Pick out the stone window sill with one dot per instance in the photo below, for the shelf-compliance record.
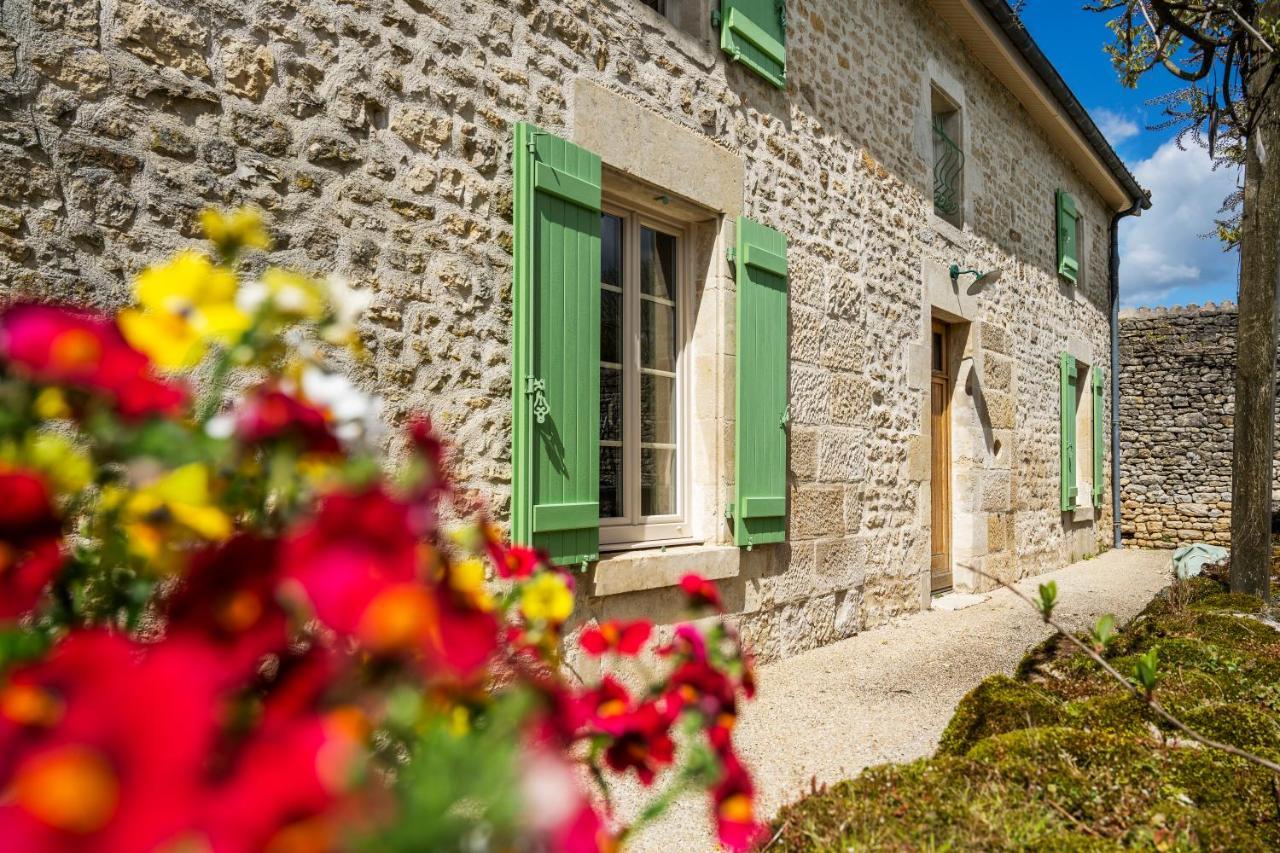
(1082, 513)
(944, 229)
(633, 571)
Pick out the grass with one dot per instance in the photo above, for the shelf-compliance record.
(1061, 758)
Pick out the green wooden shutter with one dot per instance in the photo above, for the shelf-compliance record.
(762, 413)
(556, 361)
(754, 32)
(1067, 379)
(1099, 443)
(1068, 237)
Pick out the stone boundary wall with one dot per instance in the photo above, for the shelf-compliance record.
(1177, 412)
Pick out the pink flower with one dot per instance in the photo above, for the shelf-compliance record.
(623, 638)
(105, 744)
(83, 349)
(733, 799)
(701, 592)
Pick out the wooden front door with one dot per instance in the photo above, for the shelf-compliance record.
(940, 474)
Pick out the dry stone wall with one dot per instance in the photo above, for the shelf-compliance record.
(376, 135)
(1177, 414)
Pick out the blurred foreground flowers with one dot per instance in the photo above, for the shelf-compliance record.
(223, 628)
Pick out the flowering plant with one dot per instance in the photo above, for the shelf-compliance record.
(224, 627)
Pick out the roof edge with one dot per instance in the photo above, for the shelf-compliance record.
(1013, 29)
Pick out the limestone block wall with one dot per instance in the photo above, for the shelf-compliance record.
(1177, 413)
(376, 135)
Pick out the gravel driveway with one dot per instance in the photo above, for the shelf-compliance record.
(887, 694)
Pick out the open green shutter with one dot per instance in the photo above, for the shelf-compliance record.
(556, 362)
(754, 32)
(1068, 237)
(1067, 377)
(1099, 443)
(762, 413)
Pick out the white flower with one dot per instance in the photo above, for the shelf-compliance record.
(220, 426)
(355, 415)
(347, 304)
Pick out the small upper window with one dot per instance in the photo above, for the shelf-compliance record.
(948, 159)
(687, 15)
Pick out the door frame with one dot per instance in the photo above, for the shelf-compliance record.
(941, 377)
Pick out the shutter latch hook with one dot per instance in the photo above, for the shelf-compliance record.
(541, 408)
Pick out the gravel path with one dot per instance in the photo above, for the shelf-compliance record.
(887, 694)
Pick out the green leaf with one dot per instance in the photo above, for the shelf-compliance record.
(1104, 631)
(1144, 671)
(1048, 598)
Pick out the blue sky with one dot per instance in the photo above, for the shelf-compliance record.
(1164, 259)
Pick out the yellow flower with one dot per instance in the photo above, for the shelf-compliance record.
(64, 466)
(230, 233)
(184, 305)
(182, 495)
(68, 467)
(467, 579)
(178, 507)
(547, 598)
(50, 405)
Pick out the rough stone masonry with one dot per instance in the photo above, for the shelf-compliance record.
(376, 135)
(1177, 407)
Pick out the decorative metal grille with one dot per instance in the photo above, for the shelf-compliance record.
(948, 166)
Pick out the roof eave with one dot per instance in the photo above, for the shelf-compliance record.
(995, 35)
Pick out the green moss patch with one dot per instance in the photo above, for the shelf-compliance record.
(1062, 758)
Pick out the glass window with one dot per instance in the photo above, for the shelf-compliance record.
(640, 380)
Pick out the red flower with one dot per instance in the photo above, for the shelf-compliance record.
(702, 687)
(640, 736)
(624, 638)
(643, 742)
(463, 640)
(282, 777)
(357, 562)
(701, 592)
(427, 442)
(228, 599)
(272, 415)
(30, 545)
(105, 744)
(83, 349)
(734, 803)
(513, 562)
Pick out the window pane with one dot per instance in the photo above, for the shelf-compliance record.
(611, 326)
(657, 336)
(610, 404)
(657, 264)
(657, 481)
(657, 409)
(610, 249)
(610, 482)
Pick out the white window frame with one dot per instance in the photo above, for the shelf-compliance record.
(633, 530)
(1083, 415)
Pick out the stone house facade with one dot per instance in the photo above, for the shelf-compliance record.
(1177, 403)
(876, 142)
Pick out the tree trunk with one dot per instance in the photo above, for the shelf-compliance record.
(1252, 463)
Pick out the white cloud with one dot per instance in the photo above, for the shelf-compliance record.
(1164, 256)
(1116, 127)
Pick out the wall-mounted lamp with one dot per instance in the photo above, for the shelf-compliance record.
(982, 278)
